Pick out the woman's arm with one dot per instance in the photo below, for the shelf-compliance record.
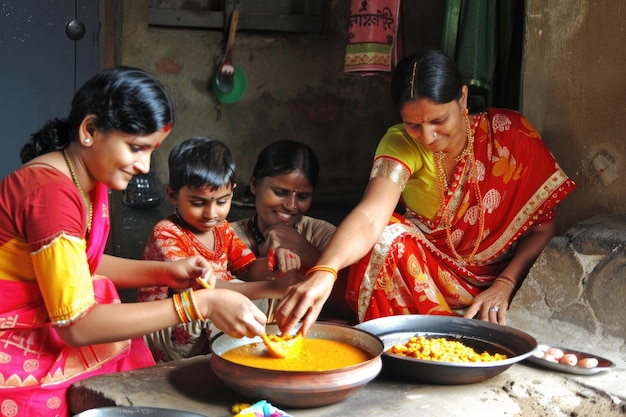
(288, 244)
(132, 273)
(354, 238)
(230, 311)
(256, 290)
(500, 293)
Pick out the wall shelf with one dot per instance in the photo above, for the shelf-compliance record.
(304, 16)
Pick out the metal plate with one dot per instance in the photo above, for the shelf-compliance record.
(477, 334)
(136, 411)
(603, 364)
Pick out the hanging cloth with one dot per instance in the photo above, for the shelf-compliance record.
(372, 37)
(469, 36)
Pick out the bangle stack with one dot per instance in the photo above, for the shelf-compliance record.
(186, 307)
(508, 281)
(322, 268)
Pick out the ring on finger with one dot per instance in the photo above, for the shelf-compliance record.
(495, 309)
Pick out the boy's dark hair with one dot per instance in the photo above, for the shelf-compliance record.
(201, 162)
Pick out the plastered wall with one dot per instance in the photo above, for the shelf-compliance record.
(573, 91)
(574, 86)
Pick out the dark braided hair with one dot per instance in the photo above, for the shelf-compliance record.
(123, 99)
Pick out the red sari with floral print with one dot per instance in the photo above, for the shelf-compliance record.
(419, 266)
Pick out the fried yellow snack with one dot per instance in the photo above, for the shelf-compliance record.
(442, 350)
(283, 346)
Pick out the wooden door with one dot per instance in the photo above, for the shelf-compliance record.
(41, 67)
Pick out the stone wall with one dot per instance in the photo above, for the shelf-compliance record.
(580, 279)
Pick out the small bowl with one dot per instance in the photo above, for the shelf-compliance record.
(477, 334)
(299, 389)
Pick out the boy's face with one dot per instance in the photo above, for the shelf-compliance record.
(202, 208)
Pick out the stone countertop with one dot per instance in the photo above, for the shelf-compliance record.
(522, 390)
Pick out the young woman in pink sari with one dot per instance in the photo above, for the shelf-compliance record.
(479, 193)
(61, 319)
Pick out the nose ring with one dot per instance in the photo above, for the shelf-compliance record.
(434, 134)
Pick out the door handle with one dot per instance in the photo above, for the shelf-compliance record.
(75, 30)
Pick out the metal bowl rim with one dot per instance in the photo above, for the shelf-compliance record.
(493, 326)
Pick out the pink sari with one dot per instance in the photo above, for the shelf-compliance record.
(37, 367)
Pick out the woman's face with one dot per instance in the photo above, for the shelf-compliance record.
(284, 198)
(439, 127)
(115, 157)
(202, 208)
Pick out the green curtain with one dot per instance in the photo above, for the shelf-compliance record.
(469, 37)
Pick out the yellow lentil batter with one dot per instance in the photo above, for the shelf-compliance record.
(316, 355)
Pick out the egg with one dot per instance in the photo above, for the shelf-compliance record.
(556, 352)
(550, 358)
(588, 363)
(569, 359)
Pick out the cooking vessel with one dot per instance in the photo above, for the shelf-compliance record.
(477, 334)
(136, 411)
(299, 389)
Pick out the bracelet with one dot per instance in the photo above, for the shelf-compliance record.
(186, 306)
(509, 281)
(194, 305)
(180, 310)
(322, 268)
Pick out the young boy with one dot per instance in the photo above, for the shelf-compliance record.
(201, 184)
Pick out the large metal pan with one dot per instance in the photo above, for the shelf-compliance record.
(477, 334)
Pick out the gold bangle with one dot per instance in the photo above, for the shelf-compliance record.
(178, 306)
(507, 281)
(194, 306)
(322, 268)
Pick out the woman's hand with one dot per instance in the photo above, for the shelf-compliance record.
(231, 312)
(291, 248)
(491, 304)
(183, 273)
(304, 300)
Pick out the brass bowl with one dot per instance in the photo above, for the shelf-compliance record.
(477, 334)
(299, 389)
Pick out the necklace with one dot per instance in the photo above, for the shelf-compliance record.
(442, 186)
(88, 205)
(256, 233)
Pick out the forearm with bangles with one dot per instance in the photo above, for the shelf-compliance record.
(186, 306)
(508, 281)
(322, 268)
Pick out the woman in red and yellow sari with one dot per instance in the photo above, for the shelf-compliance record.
(61, 319)
(479, 193)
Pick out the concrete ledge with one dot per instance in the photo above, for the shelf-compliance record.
(573, 297)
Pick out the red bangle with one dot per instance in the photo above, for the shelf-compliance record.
(321, 268)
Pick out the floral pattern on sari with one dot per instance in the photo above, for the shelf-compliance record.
(412, 268)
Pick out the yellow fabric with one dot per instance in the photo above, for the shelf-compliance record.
(15, 261)
(420, 194)
(64, 278)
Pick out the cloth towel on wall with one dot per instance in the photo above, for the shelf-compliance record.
(372, 37)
